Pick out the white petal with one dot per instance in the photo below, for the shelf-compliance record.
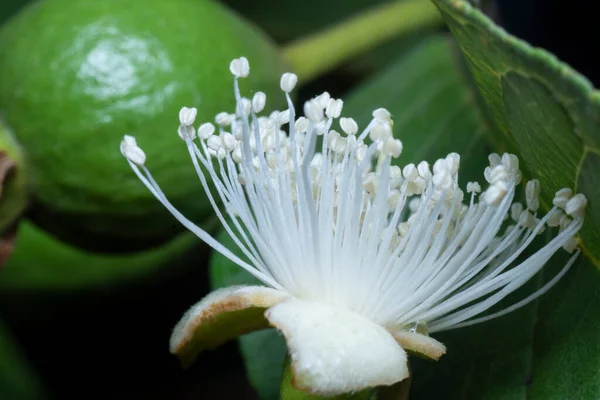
(336, 351)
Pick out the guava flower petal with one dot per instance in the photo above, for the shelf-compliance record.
(222, 315)
(335, 351)
(419, 344)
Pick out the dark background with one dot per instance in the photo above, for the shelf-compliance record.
(112, 342)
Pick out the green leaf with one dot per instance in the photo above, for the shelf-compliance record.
(433, 116)
(10, 7)
(264, 353)
(540, 108)
(548, 350)
(566, 351)
(17, 380)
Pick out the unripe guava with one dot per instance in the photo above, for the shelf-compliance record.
(77, 75)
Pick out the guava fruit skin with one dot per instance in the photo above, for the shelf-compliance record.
(77, 75)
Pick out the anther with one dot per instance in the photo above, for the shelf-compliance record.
(576, 205)
(187, 116)
(206, 130)
(258, 102)
(239, 67)
(288, 82)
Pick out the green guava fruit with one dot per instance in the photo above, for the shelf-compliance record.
(77, 75)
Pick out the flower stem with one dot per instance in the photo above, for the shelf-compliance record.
(322, 51)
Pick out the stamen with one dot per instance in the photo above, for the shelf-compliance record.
(576, 205)
(288, 82)
(532, 194)
(240, 67)
(187, 116)
(344, 226)
(132, 152)
(473, 187)
(258, 102)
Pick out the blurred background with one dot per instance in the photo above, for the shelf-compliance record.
(110, 340)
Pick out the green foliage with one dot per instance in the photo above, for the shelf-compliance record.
(264, 353)
(9, 7)
(539, 107)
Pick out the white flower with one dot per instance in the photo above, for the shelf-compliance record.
(361, 259)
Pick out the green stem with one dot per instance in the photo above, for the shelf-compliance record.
(13, 185)
(320, 52)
